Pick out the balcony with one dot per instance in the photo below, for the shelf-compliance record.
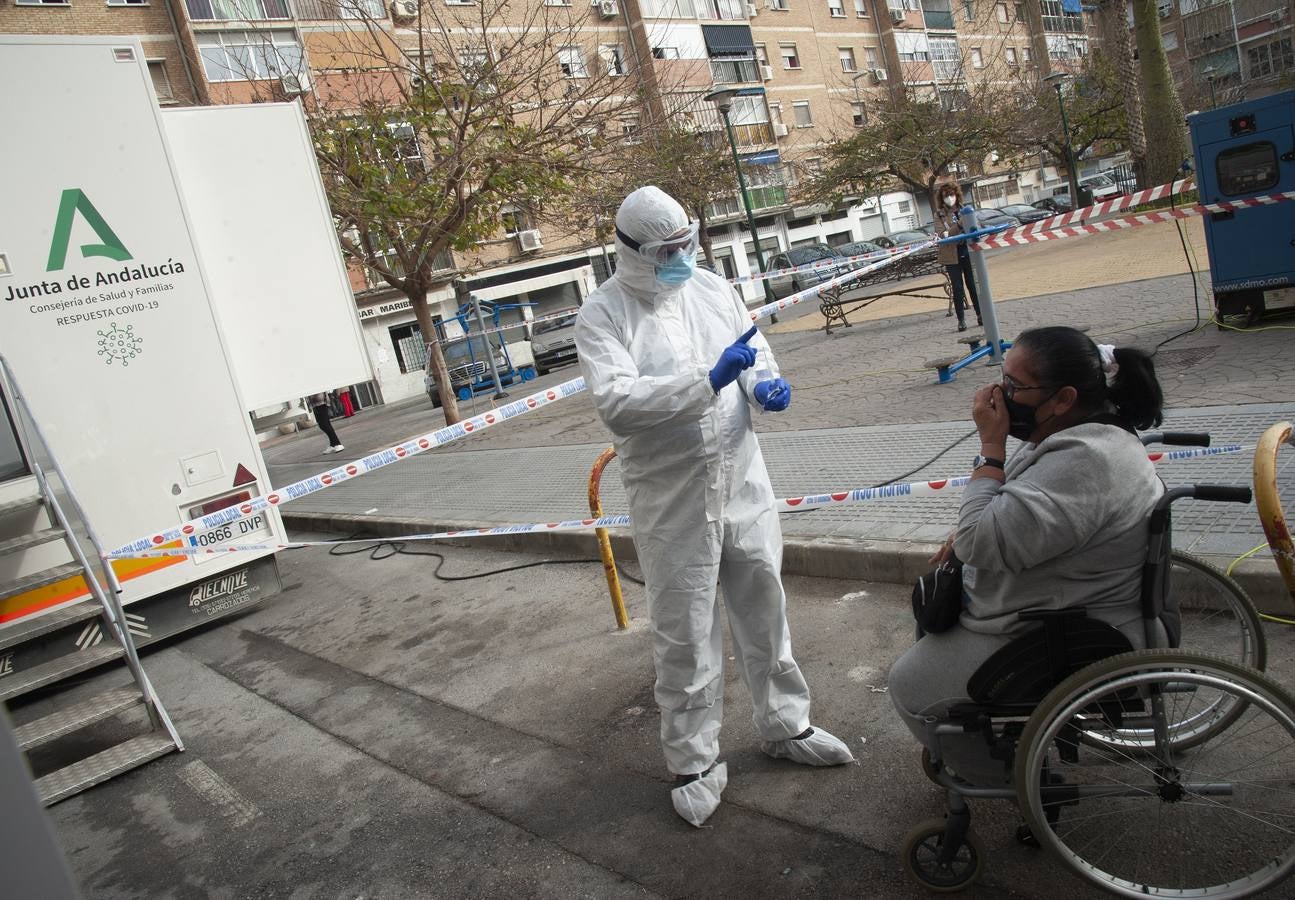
(332, 10)
(724, 10)
(938, 14)
(767, 197)
(734, 71)
(753, 134)
(237, 10)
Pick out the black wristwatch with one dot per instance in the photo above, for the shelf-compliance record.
(985, 461)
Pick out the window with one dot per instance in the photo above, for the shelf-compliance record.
(42, 3)
(411, 349)
(733, 71)
(858, 114)
(968, 11)
(768, 246)
(870, 56)
(977, 58)
(761, 55)
(557, 2)
(912, 46)
(904, 207)
(789, 58)
(778, 4)
(800, 109)
(945, 63)
(245, 56)
(1010, 54)
(665, 52)
(161, 81)
(630, 130)
(513, 221)
(836, 8)
(1169, 40)
(1248, 169)
(861, 8)
(611, 54)
(1027, 55)
(572, 62)
(1020, 12)
(846, 55)
(1057, 19)
(128, 2)
(1000, 13)
(1270, 58)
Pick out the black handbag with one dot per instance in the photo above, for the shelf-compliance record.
(937, 597)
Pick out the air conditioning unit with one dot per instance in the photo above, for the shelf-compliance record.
(780, 129)
(1165, 8)
(880, 74)
(291, 84)
(608, 9)
(404, 9)
(752, 11)
(766, 73)
(529, 240)
(897, 16)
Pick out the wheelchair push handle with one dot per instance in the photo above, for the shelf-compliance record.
(1177, 438)
(1222, 493)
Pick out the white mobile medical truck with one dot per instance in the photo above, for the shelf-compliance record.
(161, 274)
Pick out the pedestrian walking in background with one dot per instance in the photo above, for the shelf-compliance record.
(323, 418)
(955, 257)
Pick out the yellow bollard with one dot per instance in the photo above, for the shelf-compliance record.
(604, 542)
(1269, 503)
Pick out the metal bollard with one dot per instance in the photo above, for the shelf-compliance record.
(604, 542)
(967, 217)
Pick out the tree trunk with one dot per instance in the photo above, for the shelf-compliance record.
(1116, 32)
(704, 237)
(440, 372)
(1166, 136)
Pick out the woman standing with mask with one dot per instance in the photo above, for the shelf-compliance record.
(955, 257)
(1062, 524)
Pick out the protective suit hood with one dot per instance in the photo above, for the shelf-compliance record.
(647, 214)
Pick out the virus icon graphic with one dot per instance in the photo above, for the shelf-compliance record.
(119, 344)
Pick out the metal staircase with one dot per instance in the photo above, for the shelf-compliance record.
(29, 527)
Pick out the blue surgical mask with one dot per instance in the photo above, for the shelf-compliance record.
(676, 270)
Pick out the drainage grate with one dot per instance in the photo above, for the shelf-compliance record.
(1181, 359)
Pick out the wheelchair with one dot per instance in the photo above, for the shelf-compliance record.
(1157, 772)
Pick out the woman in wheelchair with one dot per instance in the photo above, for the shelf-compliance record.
(1061, 525)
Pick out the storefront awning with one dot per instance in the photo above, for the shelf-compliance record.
(728, 40)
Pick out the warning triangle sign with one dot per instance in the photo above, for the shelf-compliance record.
(242, 476)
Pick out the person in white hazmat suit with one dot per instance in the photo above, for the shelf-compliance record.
(669, 355)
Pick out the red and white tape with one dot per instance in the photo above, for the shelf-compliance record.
(812, 292)
(1018, 237)
(833, 263)
(928, 488)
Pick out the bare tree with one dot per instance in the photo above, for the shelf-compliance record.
(1162, 114)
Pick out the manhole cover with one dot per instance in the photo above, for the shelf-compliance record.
(1181, 359)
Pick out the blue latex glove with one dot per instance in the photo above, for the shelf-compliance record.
(773, 394)
(736, 357)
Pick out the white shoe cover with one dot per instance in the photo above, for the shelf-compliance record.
(696, 800)
(819, 749)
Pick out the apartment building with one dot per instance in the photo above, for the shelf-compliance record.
(1228, 51)
(807, 72)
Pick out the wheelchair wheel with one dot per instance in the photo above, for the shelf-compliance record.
(920, 855)
(1209, 820)
(1218, 619)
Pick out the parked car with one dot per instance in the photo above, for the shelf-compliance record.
(1026, 214)
(465, 358)
(860, 248)
(1101, 186)
(554, 342)
(786, 285)
(902, 239)
(989, 217)
(1055, 205)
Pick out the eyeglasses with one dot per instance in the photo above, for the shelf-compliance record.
(660, 252)
(1011, 386)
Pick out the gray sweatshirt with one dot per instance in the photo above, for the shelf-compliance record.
(1067, 528)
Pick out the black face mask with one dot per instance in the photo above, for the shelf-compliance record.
(1020, 417)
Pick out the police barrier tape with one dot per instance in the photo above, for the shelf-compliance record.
(788, 504)
(1101, 208)
(834, 262)
(189, 529)
(1011, 239)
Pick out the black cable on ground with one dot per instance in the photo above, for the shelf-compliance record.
(929, 461)
(1196, 294)
(385, 549)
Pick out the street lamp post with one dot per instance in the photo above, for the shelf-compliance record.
(1056, 79)
(1210, 72)
(723, 100)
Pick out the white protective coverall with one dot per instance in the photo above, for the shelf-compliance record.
(699, 494)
